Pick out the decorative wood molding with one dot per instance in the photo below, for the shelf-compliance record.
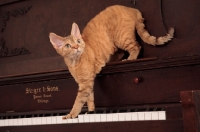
(111, 68)
(14, 13)
(5, 52)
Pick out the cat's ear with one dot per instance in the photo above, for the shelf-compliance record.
(56, 40)
(75, 31)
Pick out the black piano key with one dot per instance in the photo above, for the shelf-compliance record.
(90, 112)
(114, 111)
(29, 116)
(40, 115)
(108, 111)
(54, 114)
(46, 115)
(159, 109)
(151, 109)
(15, 117)
(141, 110)
(123, 111)
(132, 110)
(22, 116)
(100, 111)
(62, 114)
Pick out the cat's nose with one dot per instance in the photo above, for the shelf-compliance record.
(75, 47)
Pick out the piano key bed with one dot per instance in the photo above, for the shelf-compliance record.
(52, 117)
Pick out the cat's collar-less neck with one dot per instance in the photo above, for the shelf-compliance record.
(72, 62)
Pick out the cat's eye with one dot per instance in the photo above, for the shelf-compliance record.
(68, 46)
(78, 41)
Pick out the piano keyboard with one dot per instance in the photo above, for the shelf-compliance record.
(98, 116)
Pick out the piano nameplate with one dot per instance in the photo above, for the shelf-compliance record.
(42, 94)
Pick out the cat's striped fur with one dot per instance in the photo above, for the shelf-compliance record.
(86, 54)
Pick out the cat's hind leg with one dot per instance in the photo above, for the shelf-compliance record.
(125, 40)
(132, 46)
(134, 50)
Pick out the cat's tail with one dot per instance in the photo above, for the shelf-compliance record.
(152, 40)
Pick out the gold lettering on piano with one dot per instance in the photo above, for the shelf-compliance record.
(43, 101)
(33, 90)
(43, 94)
(47, 96)
(37, 97)
(50, 89)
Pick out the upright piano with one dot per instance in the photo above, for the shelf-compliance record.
(158, 92)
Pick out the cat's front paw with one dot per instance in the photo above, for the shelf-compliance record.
(70, 116)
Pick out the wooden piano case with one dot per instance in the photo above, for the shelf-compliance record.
(33, 77)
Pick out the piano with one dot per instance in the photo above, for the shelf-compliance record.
(158, 92)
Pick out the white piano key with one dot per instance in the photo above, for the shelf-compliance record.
(91, 117)
(115, 117)
(121, 116)
(25, 121)
(29, 121)
(10, 122)
(128, 116)
(34, 121)
(154, 115)
(162, 115)
(43, 120)
(109, 117)
(86, 118)
(69, 120)
(75, 120)
(39, 120)
(1, 122)
(20, 121)
(15, 122)
(48, 120)
(6, 122)
(103, 117)
(97, 117)
(147, 116)
(59, 119)
(53, 120)
(64, 121)
(134, 116)
(81, 118)
(140, 116)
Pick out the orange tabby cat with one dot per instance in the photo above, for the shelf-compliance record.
(86, 54)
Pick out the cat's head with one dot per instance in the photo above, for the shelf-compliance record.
(71, 46)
